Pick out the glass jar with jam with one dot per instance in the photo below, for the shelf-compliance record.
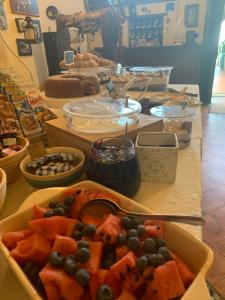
(8, 137)
(115, 165)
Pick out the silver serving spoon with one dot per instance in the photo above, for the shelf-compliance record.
(101, 207)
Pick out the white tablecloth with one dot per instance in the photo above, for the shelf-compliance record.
(182, 197)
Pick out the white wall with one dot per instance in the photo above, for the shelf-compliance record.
(63, 6)
(36, 64)
(10, 35)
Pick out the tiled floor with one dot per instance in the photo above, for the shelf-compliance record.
(213, 189)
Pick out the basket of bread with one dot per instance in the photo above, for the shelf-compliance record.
(88, 60)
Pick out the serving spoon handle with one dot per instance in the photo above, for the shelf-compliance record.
(100, 207)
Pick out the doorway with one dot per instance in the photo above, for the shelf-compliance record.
(219, 77)
(218, 93)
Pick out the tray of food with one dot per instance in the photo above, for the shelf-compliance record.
(88, 60)
(58, 255)
(176, 98)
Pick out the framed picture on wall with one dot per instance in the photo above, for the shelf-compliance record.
(20, 23)
(3, 22)
(191, 15)
(37, 26)
(25, 7)
(24, 49)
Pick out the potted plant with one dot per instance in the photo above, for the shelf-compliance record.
(221, 55)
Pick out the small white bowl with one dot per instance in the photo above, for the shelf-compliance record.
(61, 179)
(2, 187)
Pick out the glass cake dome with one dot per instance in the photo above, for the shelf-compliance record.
(102, 115)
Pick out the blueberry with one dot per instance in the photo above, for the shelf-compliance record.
(69, 200)
(160, 242)
(59, 211)
(82, 276)
(70, 266)
(52, 204)
(134, 223)
(132, 233)
(140, 230)
(71, 256)
(142, 263)
(79, 226)
(104, 292)
(56, 259)
(83, 255)
(82, 244)
(134, 244)
(165, 252)
(65, 207)
(121, 239)
(127, 223)
(88, 230)
(76, 235)
(48, 213)
(149, 245)
(139, 221)
(156, 259)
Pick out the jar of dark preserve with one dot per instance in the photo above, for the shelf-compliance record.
(115, 165)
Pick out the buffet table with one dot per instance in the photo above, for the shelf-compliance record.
(183, 197)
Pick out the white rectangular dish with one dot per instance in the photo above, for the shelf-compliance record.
(197, 254)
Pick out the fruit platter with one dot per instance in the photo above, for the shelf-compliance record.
(59, 254)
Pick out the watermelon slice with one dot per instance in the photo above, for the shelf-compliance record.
(87, 295)
(82, 195)
(155, 229)
(121, 252)
(93, 264)
(186, 273)
(122, 266)
(135, 283)
(58, 285)
(38, 212)
(104, 277)
(10, 239)
(35, 248)
(109, 229)
(125, 295)
(167, 283)
(94, 284)
(64, 245)
(49, 227)
(113, 282)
